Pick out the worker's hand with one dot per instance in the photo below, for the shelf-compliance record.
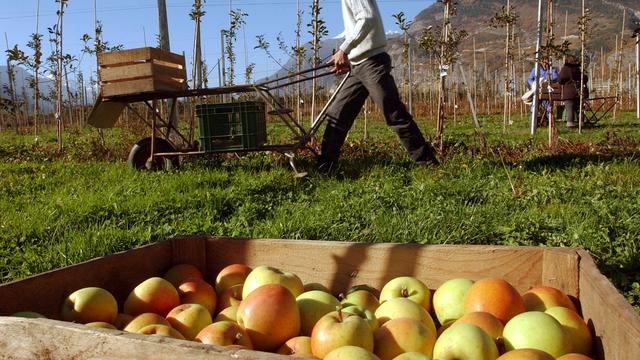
(340, 62)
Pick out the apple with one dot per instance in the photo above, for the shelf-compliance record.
(363, 298)
(29, 315)
(315, 286)
(270, 316)
(350, 352)
(228, 314)
(161, 330)
(495, 296)
(526, 354)
(541, 298)
(177, 274)
(189, 319)
(407, 287)
(224, 333)
(485, 321)
(403, 307)
(297, 346)
(231, 275)
(89, 304)
(122, 320)
(412, 355)
(337, 329)
(535, 330)
(574, 356)
(155, 295)
(371, 318)
(577, 331)
(448, 299)
(263, 275)
(365, 287)
(145, 319)
(198, 291)
(230, 297)
(101, 325)
(465, 341)
(402, 335)
(313, 305)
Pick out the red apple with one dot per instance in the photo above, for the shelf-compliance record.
(231, 275)
(495, 296)
(541, 298)
(161, 330)
(270, 316)
(198, 291)
(189, 319)
(297, 346)
(155, 295)
(402, 335)
(143, 320)
(224, 333)
(177, 274)
(337, 329)
(403, 307)
(89, 304)
(407, 287)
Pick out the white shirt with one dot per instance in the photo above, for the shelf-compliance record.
(363, 30)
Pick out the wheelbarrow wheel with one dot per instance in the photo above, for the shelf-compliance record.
(141, 152)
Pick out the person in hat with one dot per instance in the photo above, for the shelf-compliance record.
(547, 74)
(570, 78)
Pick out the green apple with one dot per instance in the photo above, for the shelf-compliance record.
(350, 352)
(402, 335)
(101, 325)
(465, 341)
(363, 298)
(89, 304)
(535, 330)
(29, 315)
(577, 330)
(526, 354)
(407, 287)
(448, 299)
(403, 307)
(189, 319)
(313, 305)
(263, 275)
(337, 329)
(365, 314)
(412, 355)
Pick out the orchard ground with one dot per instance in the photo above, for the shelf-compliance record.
(492, 188)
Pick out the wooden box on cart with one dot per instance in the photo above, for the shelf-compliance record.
(139, 71)
(338, 265)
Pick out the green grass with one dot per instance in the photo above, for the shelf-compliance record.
(60, 209)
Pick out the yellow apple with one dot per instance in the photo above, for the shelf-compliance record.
(313, 305)
(29, 315)
(198, 291)
(448, 299)
(229, 313)
(315, 286)
(465, 341)
(101, 325)
(161, 330)
(263, 275)
(574, 356)
(231, 275)
(230, 297)
(297, 346)
(371, 318)
(155, 295)
(407, 287)
(535, 330)
(403, 307)
(177, 274)
(224, 333)
(270, 316)
(145, 319)
(413, 356)
(402, 335)
(578, 333)
(189, 319)
(526, 354)
(89, 304)
(363, 298)
(350, 352)
(485, 321)
(337, 329)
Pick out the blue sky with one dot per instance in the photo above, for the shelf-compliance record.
(127, 21)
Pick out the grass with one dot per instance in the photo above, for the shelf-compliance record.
(507, 189)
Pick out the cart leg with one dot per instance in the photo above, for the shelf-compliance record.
(292, 163)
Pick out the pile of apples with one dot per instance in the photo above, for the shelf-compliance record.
(268, 309)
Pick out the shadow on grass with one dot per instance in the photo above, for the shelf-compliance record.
(571, 160)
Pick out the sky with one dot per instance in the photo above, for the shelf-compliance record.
(134, 23)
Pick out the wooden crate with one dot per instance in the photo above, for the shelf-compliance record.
(138, 71)
(336, 264)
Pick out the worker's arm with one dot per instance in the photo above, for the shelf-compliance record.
(363, 13)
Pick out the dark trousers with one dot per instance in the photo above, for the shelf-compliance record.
(571, 107)
(371, 78)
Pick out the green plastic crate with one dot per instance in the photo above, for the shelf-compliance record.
(232, 126)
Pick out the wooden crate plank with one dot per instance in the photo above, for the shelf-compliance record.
(28, 339)
(190, 252)
(142, 70)
(339, 265)
(615, 323)
(560, 269)
(167, 56)
(105, 114)
(125, 56)
(119, 273)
